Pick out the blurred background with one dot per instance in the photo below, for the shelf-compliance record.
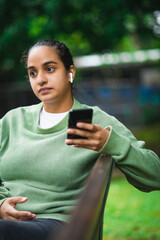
(116, 49)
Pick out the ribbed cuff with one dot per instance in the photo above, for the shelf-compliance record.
(116, 145)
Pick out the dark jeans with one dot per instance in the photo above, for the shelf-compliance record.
(36, 229)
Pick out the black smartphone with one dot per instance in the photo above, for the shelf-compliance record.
(79, 115)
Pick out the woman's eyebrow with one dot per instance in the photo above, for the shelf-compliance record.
(44, 64)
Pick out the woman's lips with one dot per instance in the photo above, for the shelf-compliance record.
(44, 90)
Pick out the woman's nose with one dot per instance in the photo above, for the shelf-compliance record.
(41, 78)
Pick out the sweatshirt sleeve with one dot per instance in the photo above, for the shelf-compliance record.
(140, 166)
(4, 192)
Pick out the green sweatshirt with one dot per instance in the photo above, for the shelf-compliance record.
(36, 163)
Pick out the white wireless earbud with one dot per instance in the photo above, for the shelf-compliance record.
(71, 77)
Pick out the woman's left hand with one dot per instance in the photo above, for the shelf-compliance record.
(96, 136)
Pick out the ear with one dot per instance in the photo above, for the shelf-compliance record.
(72, 73)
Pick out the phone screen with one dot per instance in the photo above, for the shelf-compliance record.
(80, 115)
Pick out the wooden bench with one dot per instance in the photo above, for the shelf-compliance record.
(86, 222)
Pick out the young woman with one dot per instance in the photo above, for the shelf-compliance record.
(41, 171)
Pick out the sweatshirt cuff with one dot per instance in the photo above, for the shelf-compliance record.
(116, 145)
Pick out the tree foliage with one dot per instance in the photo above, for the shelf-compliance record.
(86, 26)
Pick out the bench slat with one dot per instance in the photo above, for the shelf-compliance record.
(87, 218)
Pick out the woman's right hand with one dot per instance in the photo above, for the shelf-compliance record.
(8, 211)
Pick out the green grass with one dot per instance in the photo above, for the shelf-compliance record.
(131, 214)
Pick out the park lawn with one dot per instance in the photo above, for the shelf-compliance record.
(131, 214)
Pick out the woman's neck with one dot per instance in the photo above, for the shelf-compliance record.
(58, 107)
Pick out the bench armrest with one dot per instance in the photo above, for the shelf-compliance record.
(87, 219)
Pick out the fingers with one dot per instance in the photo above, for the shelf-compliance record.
(8, 210)
(84, 130)
(88, 126)
(21, 216)
(83, 143)
(90, 145)
(96, 136)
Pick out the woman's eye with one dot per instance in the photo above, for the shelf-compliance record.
(50, 69)
(32, 74)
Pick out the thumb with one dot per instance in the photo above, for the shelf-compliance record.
(19, 199)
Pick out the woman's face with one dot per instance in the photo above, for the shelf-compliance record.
(48, 77)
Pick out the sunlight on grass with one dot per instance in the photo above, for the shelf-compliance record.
(131, 214)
